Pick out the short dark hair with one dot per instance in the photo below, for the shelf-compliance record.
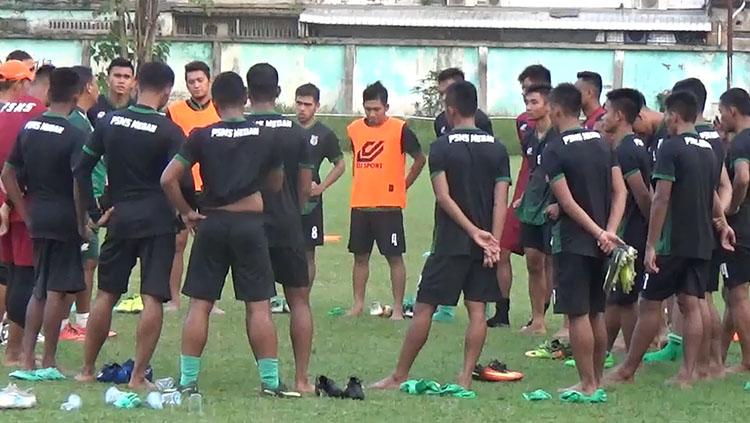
(627, 101)
(737, 98)
(43, 73)
(263, 82)
(18, 55)
(642, 99)
(228, 90)
(568, 97)
(695, 87)
(542, 89)
(684, 104)
(375, 91)
(196, 66)
(63, 85)
(462, 95)
(592, 78)
(155, 76)
(455, 74)
(308, 90)
(120, 62)
(536, 73)
(85, 76)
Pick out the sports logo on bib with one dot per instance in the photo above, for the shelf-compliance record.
(313, 140)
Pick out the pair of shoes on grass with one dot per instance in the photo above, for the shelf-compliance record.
(326, 387)
(130, 305)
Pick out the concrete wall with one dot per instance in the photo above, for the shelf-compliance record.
(342, 71)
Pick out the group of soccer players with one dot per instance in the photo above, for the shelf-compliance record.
(248, 186)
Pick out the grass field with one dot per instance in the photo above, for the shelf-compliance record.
(368, 347)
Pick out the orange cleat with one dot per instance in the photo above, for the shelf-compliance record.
(72, 333)
(496, 372)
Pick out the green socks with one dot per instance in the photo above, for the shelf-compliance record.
(269, 372)
(189, 368)
(671, 352)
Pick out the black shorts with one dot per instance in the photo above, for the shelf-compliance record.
(736, 267)
(119, 255)
(537, 237)
(312, 227)
(444, 278)
(227, 240)
(717, 270)
(58, 267)
(289, 266)
(4, 274)
(677, 275)
(386, 227)
(20, 288)
(617, 297)
(579, 284)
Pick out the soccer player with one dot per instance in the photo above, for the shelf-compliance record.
(120, 81)
(43, 158)
(587, 183)
(197, 111)
(17, 106)
(680, 238)
(379, 145)
(510, 240)
(445, 78)
(734, 107)
(590, 86)
(137, 144)
(283, 213)
(623, 106)
(237, 159)
(531, 208)
(324, 144)
(470, 177)
(88, 93)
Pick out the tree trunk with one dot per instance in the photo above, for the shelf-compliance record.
(147, 20)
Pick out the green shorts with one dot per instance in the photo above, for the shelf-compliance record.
(92, 253)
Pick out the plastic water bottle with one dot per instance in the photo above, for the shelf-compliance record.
(74, 402)
(172, 399)
(195, 404)
(165, 384)
(112, 394)
(155, 400)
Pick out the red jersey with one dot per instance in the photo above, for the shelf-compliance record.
(595, 117)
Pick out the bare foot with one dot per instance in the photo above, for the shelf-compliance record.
(390, 383)
(464, 380)
(576, 387)
(354, 312)
(141, 385)
(216, 311)
(85, 377)
(534, 330)
(9, 361)
(563, 333)
(397, 316)
(616, 376)
(740, 368)
(304, 387)
(681, 381)
(717, 371)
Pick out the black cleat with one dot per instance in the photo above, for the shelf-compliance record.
(325, 387)
(280, 392)
(497, 322)
(354, 389)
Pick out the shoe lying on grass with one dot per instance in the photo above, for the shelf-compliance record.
(280, 391)
(554, 350)
(496, 371)
(325, 387)
(13, 398)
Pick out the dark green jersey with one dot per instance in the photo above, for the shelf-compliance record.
(99, 175)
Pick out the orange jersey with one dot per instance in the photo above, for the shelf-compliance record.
(379, 164)
(188, 119)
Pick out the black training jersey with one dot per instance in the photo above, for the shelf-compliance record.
(45, 152)
(282, 209)
(690, 163)
(537, 194)
(324, 144)
(739, 151)
(634, 158)
(102, 107)
(585, 160)
(708, 132)
(137, 144)
(442, 126)
(234, 157)
(473, 161)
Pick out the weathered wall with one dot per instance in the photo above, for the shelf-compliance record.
(400, 68)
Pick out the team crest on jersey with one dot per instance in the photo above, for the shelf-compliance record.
(313, 140)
